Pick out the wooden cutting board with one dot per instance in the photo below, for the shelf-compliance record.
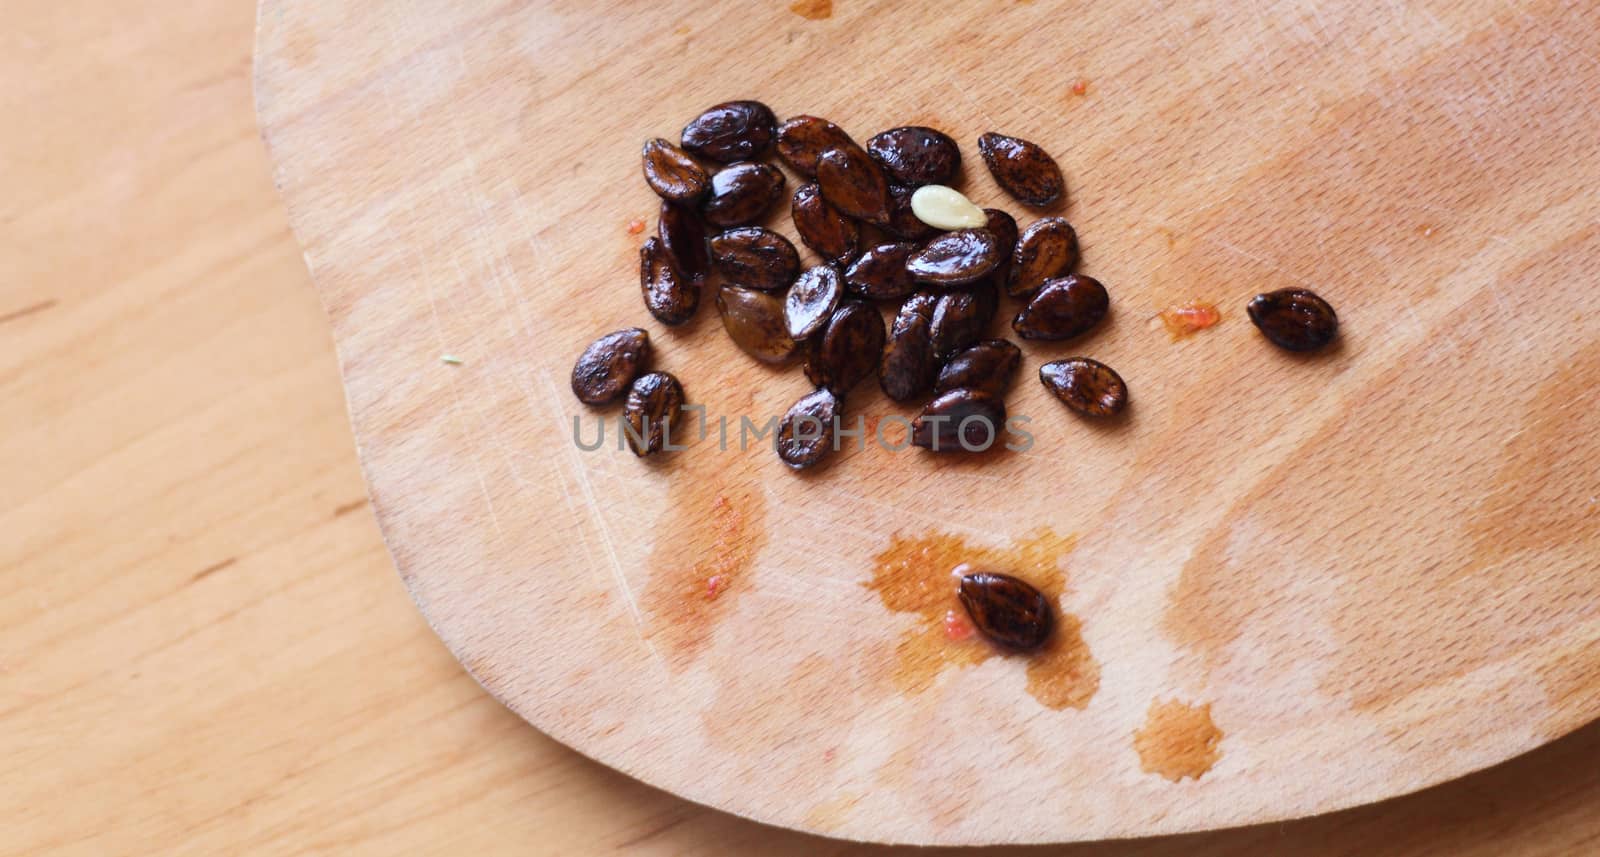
(1287, 584)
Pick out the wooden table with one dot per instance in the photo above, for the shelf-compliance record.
(203, 647)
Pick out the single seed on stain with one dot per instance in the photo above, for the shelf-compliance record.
(946, 208)
(1011, 612)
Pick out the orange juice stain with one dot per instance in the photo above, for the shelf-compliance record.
(715, 541)
(812, 10)
(914, 574)
(1185, 319)
(1178, 740)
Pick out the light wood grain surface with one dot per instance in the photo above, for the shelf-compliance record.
(1289, 584)
(203, 646)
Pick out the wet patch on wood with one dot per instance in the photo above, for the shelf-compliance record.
(916, 574)
(1178, 740)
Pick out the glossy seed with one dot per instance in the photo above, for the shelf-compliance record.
(654, 402)
(1047, 249)
(821, 227)
(903, 221)
(955, 258)
(1004, 227)
(741, 193)
(1010, 612)
(607, 367)
(1296, 319)
(755, 258)
(962, 317)
(852, 183)
(684, 235)
(1087, 386)
(946, 208)
(914, 155)
(1022, 169)
(1063, 308)
(880, 273)
(909, 362)
(848, 350)
(731, 131)
(960, 421)
(803, 139)
(806, 434)
(672, 174)
(754, 321)
(987, 366)
(668, 294)
(812, 300)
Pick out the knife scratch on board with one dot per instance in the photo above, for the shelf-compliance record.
(591, 506)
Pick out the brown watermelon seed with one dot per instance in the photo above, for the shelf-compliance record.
(1022, 169)
(731, 131)
(1009, 611)
(608, 366)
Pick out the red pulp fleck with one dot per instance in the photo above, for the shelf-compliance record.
(1188, 318)
(956, 626)
(713, 587)
(635, 226)
(1080, 87)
